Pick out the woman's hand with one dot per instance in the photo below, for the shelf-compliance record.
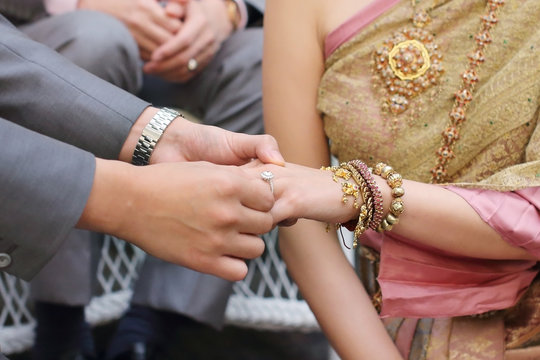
(304, 192)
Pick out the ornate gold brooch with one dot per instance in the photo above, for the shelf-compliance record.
(407, 64)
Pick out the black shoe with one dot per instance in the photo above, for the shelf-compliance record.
(138, 351)
(77, 356)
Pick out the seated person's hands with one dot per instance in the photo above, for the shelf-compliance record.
(205, 25)
(147, 20)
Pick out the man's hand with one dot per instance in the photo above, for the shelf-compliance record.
(205, 26)
(188, 141)
(199, 215)
(184, 140)
(147, 21)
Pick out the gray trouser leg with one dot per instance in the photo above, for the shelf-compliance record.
(228, 93)
(94, 41)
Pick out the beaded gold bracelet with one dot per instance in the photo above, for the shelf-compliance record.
(395, 181)
(366, 210)
(378, 209)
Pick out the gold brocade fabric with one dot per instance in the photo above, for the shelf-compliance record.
(498, 148)
(499, 145)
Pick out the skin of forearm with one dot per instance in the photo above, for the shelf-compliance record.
(338, 299)
(437, 217)
(433, 216)
(119, 202)
(111, 198)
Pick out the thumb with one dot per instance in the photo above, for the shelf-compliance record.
(262, 147)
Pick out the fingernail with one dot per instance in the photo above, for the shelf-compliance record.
(277, 158)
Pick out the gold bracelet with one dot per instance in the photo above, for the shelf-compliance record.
(395, 181)
(347, 171)
(366, 210)
(378, 210)
(347, 188)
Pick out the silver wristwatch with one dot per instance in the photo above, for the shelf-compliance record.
(151, 134)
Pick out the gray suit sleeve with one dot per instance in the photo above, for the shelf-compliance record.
(50, 112)
(44, 186)
(44, 92)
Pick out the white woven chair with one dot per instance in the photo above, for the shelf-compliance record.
(266, 299)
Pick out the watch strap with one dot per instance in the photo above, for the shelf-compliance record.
(151, 134)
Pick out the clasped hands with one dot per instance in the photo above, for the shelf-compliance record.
(202, 203)
(190, 42)
(171, 33)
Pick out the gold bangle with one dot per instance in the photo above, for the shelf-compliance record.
(366, 210)
(395, 182)
(367, 175)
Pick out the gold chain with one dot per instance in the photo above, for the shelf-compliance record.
(464, 95)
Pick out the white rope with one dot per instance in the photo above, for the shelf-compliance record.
(16, 321)
(119, 265)
(266, 299)
(15, 339)
(14, 294)
(270, 314)
(106, 308)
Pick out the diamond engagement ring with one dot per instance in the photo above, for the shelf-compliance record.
(268, 176)
(192, 64)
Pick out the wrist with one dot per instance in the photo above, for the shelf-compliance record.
(145, 134)
(151, 134)
(126, 153)
(110, 198)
